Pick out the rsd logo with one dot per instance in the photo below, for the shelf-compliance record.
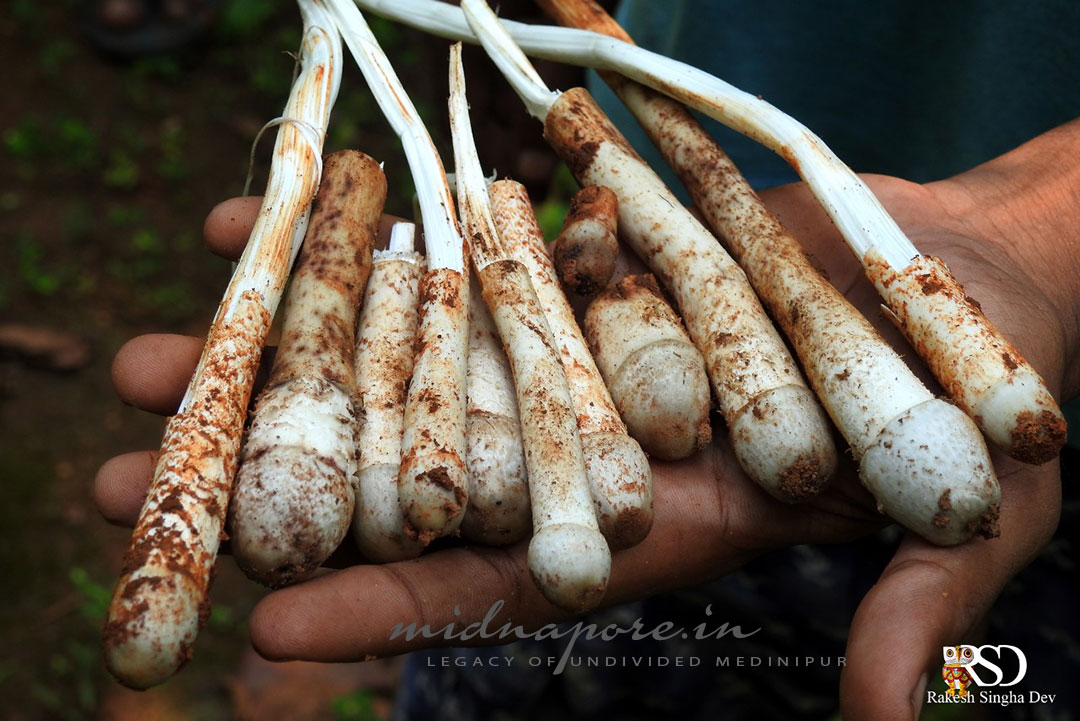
(963, 665)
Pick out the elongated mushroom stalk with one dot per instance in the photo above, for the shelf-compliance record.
(587, 246)
(162, 592)
(568, 557)
(978, 367)
(656, 376)
(295, 488)
(498, 511)
(620, 479)
(383, 366)
(981, 370)
(778, 432)
(940, 484)
(433, 480)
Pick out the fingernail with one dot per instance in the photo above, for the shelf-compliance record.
(919, 695)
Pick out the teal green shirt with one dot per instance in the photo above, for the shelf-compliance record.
(914, 89)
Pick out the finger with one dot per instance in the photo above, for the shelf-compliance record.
(229, 225)
(351, 614)
(120, 486)
(929, 597)
(151, 372)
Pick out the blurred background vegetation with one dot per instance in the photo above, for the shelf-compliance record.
(109, 168)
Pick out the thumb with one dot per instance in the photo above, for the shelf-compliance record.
(929, 597)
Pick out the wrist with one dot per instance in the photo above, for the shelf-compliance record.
(1027, 203)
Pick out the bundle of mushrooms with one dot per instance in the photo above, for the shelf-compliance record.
(417, 397)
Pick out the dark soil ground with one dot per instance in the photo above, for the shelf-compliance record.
(109, 168)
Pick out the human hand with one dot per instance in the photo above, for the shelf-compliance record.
(705, 503)
(1005, 231)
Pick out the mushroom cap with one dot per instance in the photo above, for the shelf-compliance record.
(378, 523)
(620, 482)
(571, 564)
(783, 441)
(498, 512)
(930, 471)
(662, 393)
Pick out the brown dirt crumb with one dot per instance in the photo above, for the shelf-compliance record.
(987, 525)
(1037, 439)
(801, 479)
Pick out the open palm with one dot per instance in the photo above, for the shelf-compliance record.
(709, 518)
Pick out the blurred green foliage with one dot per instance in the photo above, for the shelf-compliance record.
(356, 706)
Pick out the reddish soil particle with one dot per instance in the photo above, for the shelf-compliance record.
(794, 313)
(132, 589)
(1037, 439)
(442, 286)
(930, 285)
(171, 503)
(945, 500)
(987, 524)
(593, 201)
(704, 437)
(844, 375)
(1010, 363)
(439, 476)
(940, 519)
(429, 397)
(629, 528)
(801, 479)
(122, 623)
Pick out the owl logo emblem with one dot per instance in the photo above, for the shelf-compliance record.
(955, 670)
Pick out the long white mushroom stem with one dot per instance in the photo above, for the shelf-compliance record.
(498, 511)
(568, 557)
(162, 592)
(433, 480)
(983, 372)
(383, 366)
(861, 380)
(656, 375)
(778, 431)
(620, 479)
(294, 494)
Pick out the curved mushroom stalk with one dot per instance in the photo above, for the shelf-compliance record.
(568, 557)
(161, 595)
(620, 480)
(498, 511)
(383, 366)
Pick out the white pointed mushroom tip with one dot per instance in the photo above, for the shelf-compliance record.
(621, 485)
(571, 563)
(1019, 415)
(294, 492)
(662, 393)
(378, 523)
(783, 441)
(930, 471)
(148, 653)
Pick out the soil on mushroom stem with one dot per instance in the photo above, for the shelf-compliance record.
(108, 172)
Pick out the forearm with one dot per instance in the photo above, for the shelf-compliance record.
(1028, 203)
